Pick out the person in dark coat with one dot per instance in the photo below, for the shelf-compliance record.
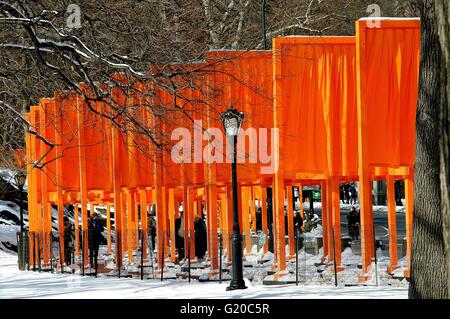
(353, 194)
(298, 228)
(353, 224)
(259, 219)
(270, 238)
(346, 188)
(342, 194)
(68, 241)
(95, 238)
(200, 237)
(152, 228)
(298, 222)
(179, 236)
(286, 223)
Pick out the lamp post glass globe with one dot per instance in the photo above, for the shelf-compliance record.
(232, 121)
(231, 126)
(20, 179)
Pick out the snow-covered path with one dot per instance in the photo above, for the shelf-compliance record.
(18, 284)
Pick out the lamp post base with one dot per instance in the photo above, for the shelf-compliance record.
(235, 285)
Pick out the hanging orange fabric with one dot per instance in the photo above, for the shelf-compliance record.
(390, 87)
(65, 105)
(243, 79)
(98, 175)
(317, 103)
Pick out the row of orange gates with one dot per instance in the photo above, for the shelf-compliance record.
(344, 110)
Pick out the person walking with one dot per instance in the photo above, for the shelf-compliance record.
(353, 224)
(298, 228)
(152, 228)
(346, 194)
(179, 235)
(298, 222)
(95, 238)
(353, 194)
(200, 237)
(342, 194)
(68, 241)
(258, 219)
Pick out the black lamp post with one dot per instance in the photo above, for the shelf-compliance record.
(263, 16)
(232, 121)
(20, 179)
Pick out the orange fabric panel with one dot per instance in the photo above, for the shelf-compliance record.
(120, 137)
(172, 119)
(257, 98)
(30, 181)
(341, 111)
(219, 97)
(181, 101)
(132, 144)
(98, 175)
(47, 128)
(138, 145)
(66, 106)
(317, 104)
(303, 130)
(390, 89)
(243, 79)
(36, 151)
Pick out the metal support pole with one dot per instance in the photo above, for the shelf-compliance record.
(19, 252)
(220, 257)
(61, 256)
(162, 258)
(334, 258)
(244, 240)
(20, 207)
(51, 252)
(375, 255)
(96, 262)
(26, 249)
(142, 254)
(270, 242)
(237, 281)
(119, 251)
(189, 255)
(39, 254)
(34, 251)
(82, 253)
(72, 253)
(263, 18)
(151, 257)
(296, 257)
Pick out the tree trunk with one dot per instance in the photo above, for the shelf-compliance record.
(428, 269)
(442, 17)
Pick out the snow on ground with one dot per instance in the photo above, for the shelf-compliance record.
(10, 223)
(17, 284)
(316, 281)
(25, 284)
